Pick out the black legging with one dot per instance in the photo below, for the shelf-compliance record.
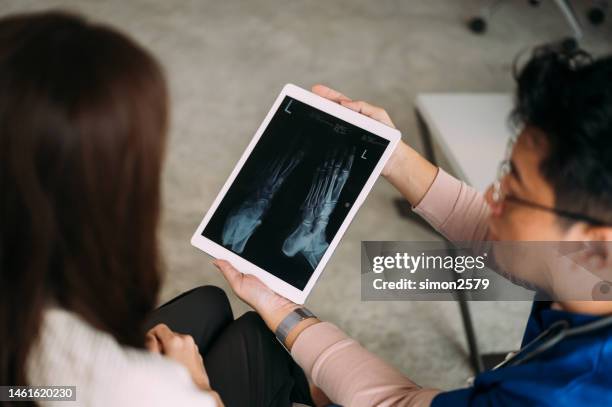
(245, 363)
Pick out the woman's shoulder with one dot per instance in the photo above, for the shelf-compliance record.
(69, 351)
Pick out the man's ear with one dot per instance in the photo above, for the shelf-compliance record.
(599, 241)
(584, 232)
(599, 233)
(597, 253)
(595, 256)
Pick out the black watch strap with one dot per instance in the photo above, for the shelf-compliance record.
(295, 317)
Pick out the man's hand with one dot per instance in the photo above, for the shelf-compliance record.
(374, 112)
(366, 109)
(409, 172)
(181, 348)
(270, 306)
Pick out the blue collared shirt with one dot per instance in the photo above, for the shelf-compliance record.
(575, 372)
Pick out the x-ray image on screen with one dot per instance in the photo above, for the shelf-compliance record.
(248, 215)
(310, 238)
(294, 191)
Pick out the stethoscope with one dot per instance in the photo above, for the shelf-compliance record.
(548, 338)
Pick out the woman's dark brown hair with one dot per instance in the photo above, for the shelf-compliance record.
(83, 113)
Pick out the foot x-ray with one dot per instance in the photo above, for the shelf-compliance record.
(309, 238)
(294, 191)
(246, 217)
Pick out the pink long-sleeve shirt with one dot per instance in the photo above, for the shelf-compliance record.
(349, 374)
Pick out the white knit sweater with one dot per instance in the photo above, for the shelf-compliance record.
(71, 352)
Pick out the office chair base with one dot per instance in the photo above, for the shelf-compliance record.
(596, 16)
(477, 25)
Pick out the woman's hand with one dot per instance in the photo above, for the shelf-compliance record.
(181, 348)
(270, 306)
(409, 172)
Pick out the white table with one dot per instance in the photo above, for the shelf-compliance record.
(471, 131)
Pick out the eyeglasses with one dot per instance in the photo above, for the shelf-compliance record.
(505, 167)
(499, 195)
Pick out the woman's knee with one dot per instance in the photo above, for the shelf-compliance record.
(251, 319)
(211, 292)
(211, 297)
(251, 324)
(208, 298)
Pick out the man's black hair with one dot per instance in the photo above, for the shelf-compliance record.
(567, 94)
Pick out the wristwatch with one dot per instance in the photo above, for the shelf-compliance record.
(295, 317)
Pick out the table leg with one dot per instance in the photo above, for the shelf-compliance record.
(464, 308)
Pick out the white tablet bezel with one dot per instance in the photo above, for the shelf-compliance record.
(334, 109)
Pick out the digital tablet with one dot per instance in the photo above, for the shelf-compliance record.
(295, 190)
